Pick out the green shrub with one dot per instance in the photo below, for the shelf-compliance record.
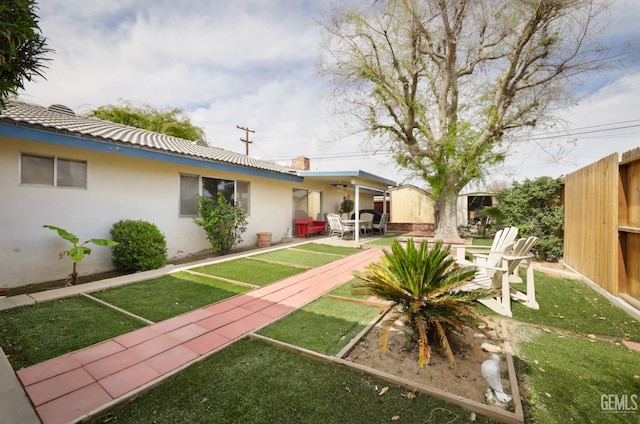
(534, 207)
(141, 246)
(223, 222)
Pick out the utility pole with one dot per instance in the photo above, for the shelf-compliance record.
(246, 139)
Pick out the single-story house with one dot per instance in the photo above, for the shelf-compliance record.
(84, 174)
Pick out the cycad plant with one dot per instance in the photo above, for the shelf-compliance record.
(424, 285)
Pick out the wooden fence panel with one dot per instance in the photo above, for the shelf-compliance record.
(591, 222)
(632, 273)
(629, 227)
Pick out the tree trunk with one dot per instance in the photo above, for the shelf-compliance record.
(447, 229)
(72, 279)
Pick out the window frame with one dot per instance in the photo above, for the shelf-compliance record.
(55, 181)
(237, 193)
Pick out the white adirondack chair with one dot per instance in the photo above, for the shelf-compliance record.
(490, 259)
(498, 277)
(521, 252)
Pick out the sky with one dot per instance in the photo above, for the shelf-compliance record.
(253, 64)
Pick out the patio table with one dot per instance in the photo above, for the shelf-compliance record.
(364, 225)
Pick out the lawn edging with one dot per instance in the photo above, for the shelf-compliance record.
(11, 302)
(468, 404)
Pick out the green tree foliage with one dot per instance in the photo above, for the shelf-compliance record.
(424, 285)
(223, 222)
(446, 85)
(172, 122)
(534, 206)
(141, 246)
(23, 49)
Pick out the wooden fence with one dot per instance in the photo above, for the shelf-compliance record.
(602, 224)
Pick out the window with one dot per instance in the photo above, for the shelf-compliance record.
(242, 195)
(36, 170)
(188, 195)
(52, 171)
(191, 186)
(72, 173)
(307, 203)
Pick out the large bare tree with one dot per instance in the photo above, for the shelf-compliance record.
(447, 84)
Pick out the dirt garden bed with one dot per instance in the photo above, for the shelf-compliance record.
(464, 382)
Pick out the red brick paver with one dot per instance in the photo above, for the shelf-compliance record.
(68, 388)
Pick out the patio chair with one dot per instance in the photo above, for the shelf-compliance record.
(498, 278)
(521, 252)
(382, 225)
(367, 219)
(336, 226)
(491, 258)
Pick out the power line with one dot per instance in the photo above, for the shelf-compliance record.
(589, 130)
(592, 129)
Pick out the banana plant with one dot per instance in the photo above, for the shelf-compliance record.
(78, 251)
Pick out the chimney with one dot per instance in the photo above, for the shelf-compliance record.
(302, 163)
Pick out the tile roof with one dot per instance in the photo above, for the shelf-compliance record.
(60, 119)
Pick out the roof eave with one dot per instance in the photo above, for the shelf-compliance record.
(349, 174)
(11, 128)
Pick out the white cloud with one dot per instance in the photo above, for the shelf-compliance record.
(252, 63)
(601, 124)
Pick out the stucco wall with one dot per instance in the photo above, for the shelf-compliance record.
(118, 187)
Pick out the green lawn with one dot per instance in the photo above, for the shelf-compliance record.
(297, 257)
(252, 381)
(568, 354)
(347, 289)
(567, 377)
(325, 248)
(324, 326)
(573, 306)
(170, 295)
(385, 240)
(35, 333)
(249, 271)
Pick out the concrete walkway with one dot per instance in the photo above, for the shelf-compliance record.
(74, 386)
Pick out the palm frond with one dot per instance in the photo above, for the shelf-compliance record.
(385, 329)
(424, 350)
(459, 326)
(444, 343)
(477, 349)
